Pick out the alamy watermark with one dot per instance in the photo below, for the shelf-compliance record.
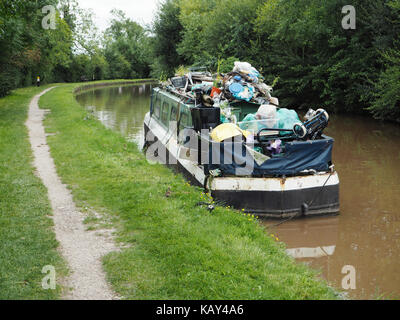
(349, 280)
(49, 21)
(49, 281)
(349, 20)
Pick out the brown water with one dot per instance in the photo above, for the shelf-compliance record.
(366, 234)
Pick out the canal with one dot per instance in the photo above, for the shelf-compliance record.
(364, 238)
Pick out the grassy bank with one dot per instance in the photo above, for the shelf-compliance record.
(27, 242)
(176, 250)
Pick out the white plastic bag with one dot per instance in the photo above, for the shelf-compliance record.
(242, 67)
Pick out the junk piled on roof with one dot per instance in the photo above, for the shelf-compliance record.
(244, 82)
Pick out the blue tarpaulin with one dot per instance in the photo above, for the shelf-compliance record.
(232, 158)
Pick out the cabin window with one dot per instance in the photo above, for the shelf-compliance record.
(157, 109)
(164, 114)
(184, 121)
(174, 111)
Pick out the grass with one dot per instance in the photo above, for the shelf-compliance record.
(175, 249)
(27, 242)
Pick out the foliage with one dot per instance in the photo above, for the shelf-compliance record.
(181, 71)
(386, 97)
(227, 64)
(386, 104)
(167, 34)
(27, 50)
(126, 48)
(74, 51)
(319, 64)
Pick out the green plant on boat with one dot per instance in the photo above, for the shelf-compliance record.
(181, 71)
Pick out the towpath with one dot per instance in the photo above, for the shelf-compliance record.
(81, 249)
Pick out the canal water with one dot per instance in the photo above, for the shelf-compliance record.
(364, 240)
(121, 108)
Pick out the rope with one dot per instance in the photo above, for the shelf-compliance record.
(320, 191)
(308, 205)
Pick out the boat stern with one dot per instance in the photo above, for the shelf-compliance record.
(306, 195)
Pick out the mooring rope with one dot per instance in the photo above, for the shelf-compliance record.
(305, 206)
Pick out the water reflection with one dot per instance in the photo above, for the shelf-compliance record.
(314, 238)
(365, 235)
(122, 108)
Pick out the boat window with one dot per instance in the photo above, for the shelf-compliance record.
(174, 111)
(184, 121)
(157, 109)
(164, 114)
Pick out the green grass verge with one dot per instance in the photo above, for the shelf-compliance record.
(176, 249)
(27, 242)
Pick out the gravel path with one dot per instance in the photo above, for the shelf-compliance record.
(80, 248)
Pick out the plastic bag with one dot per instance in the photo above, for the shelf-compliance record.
(248, 69)
(246, 94)
(287, 119)
(264, 89)
(242, 67)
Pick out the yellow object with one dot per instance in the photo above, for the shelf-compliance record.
(227, 130)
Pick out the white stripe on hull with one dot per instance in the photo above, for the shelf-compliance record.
(274, 184)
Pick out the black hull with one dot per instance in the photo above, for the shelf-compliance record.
(275, 204)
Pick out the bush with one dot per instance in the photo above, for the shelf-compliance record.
(386, 105)
(6, 84)
(227, 64)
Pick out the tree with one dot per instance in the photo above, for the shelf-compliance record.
(126, 48)
(27, 50)
(167, 35)
(386, 96)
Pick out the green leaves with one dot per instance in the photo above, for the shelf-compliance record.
(28, 50)
(126, 48)
(302, 41)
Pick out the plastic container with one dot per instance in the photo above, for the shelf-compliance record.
(179, 82)
(236, 88)
(205, 117)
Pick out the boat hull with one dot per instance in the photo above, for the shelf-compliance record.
(284, 204)
(306, 195)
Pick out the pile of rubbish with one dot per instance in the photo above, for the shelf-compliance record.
(246, 83)
(243, 83)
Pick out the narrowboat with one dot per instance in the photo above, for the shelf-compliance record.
(248, 162)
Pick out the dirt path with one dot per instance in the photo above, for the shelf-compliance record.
(80, 248)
